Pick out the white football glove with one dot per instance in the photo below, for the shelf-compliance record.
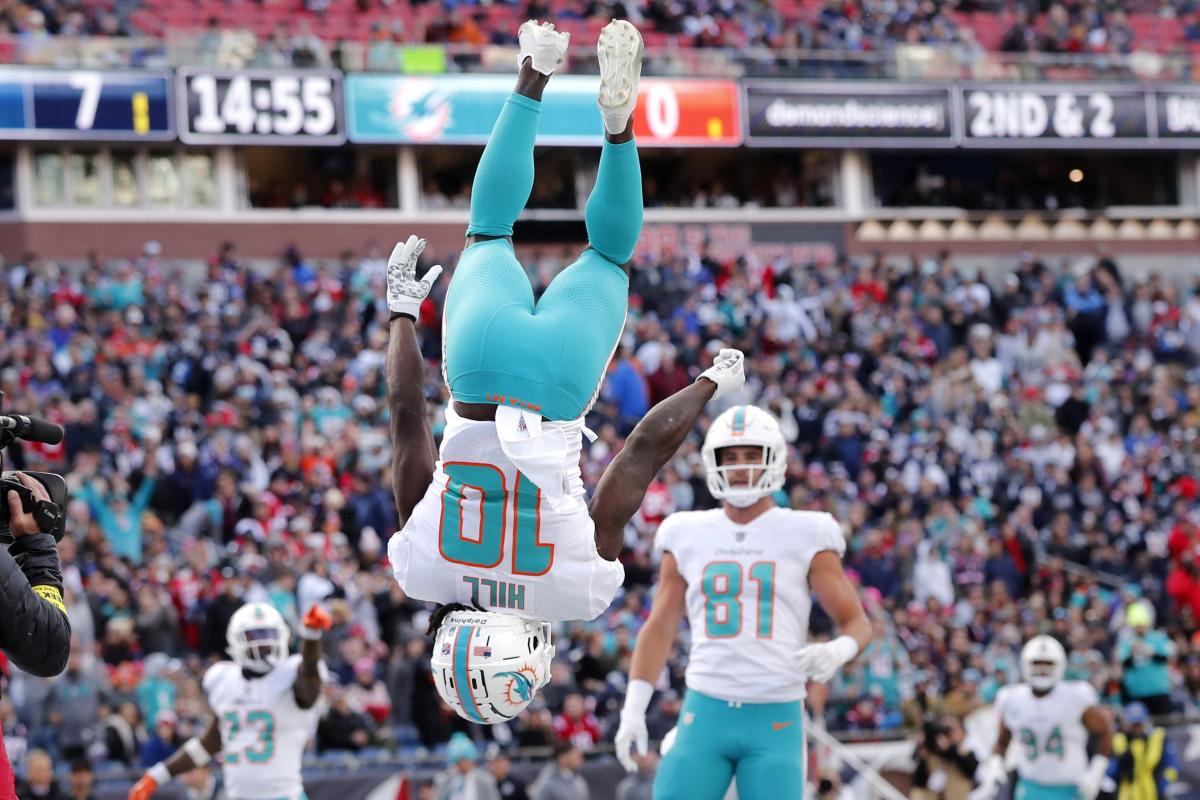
(728, 372)
(992, 776)
(632, 730)
(820, 662)
(404, 292)
(631, 734)
(1093, 779)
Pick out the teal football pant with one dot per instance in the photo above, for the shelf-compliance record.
(499, 345)
(1028, 790)
(761, 745)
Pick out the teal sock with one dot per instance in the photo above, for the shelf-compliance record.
(614, 211)
(504, 177)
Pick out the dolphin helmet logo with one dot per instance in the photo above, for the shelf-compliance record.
(520, 685)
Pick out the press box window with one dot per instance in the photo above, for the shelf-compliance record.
(128, 179)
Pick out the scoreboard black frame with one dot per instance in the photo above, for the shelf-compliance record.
(260, 106)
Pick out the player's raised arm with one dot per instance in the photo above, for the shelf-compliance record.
(307, 688)
(653, 441)
(195, 752)
(649, 657)
(414, 451)
(837, 596)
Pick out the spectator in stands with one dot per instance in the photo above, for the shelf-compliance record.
(509, 786)
(945, 764)
(1145, 655)
(38, 782)
(463, 780)
(162, 741)
(81, 781)
(1144, 763)
(342, 728)
(560, 779)
(576, 724)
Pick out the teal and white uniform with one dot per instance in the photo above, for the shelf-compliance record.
(549, 356)
(1048, 737)
(263, 731)
(486, 533)
(748, 605)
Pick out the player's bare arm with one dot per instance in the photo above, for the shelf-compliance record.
(307, 688)
(1099, 724)
(651, 444)
(414, 451)
(650, 655)
(838, 597)
(195, 753)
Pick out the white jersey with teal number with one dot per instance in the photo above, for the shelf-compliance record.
(747, 597)
(1047, 732)
(263, 731)
(485, 532)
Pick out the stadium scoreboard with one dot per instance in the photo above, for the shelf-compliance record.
(261, 106)
(67, 105)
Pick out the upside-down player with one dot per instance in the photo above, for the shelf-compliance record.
(1052, 720)
(498, 520)
(265, 709)
(743, 573)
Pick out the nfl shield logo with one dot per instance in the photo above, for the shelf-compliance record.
(446, 648)
(741, 536)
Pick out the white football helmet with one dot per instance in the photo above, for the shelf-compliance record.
(740, 426)
(1043, 662)
(488, 666)
(258, 637)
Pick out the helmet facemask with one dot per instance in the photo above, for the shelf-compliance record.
(729, 482)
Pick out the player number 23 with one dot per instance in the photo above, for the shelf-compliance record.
(259, 751)
(722, 586)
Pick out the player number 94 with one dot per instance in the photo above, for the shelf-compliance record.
(283, 105)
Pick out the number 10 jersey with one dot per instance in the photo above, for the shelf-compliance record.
(484, 532)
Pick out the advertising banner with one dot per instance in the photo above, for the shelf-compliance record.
(848, 114)
(461, 109)
(72, 105)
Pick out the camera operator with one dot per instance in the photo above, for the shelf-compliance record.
(945, 764)
(34, 632)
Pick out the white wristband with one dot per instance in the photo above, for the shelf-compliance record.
(160, 774)
(846, 648)
(310, 634)
(196, 751)
(637, 697)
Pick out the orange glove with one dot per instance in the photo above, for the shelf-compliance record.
(315, 622)
(143, 789)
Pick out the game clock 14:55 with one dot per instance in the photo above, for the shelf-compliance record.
(261, 106)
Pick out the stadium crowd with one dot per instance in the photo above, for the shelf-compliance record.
(1005, 458)
(970, 27)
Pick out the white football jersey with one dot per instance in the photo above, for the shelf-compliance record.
(485, 532)
(1047, 732)
(263, 731)
(747, 597)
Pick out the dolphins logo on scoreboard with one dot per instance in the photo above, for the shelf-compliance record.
(421, 109)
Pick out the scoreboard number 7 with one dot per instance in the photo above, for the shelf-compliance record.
(90, 83)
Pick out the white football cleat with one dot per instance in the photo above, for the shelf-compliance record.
(620, 53)
(543, 45)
